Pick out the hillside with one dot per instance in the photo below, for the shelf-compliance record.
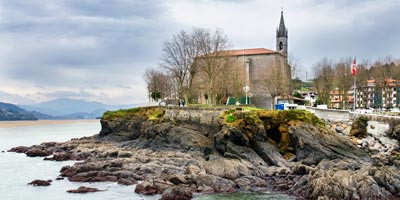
(72, 108)
(10, 112)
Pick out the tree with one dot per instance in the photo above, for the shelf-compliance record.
(343, 78)
(179, 54)
(214, 59)
(295, 65)
(324, 76)
(158, 84)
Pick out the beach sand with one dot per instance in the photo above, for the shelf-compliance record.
(8, 124)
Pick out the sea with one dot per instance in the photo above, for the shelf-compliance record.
(16, 170)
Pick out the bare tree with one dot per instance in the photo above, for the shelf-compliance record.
(212, 46)
(295, 65)
(343, 79)
(158, 83)
(324, 76)
(179, 54)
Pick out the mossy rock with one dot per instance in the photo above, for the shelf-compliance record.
(359, 127)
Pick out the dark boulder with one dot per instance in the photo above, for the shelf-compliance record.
(63, 157)
(311, 145)
(124, 181)
(151, 187)
(40, 183)
(359, 127)
(177, 193)
(20, 149)
(38, 153)
(84, 189)
(270, 154)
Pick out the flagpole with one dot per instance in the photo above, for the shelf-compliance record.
(355, 94)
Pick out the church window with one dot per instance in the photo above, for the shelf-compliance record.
(280, 45)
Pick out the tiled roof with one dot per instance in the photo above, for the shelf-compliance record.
(254, 51)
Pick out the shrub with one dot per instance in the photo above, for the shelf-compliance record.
(230, 118)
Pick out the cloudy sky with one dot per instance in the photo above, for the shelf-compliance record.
(98, 49)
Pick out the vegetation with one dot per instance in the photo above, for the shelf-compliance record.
(276, 124)
(150, 113)
(359, 127)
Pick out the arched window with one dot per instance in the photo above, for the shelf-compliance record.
(280, 46)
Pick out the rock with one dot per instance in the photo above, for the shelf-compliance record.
(339, 129)
(192, 169)
(124, 154)
(63, 157)
(146, 188)
(40, 183)
(217, 183)
(124, 181)
(84, 189)
(372, 126)
(270, 154)
(227, 168)
(300, 169)
(151, 187)
(359, 127)
(249, 182)
(68, 171)
(37, 153)
(177, 193)
(59, 178)
(366, 183)
(20, 149)
(177, 179)
(104, 179)
(311, 146)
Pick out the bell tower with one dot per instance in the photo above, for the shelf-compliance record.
(282, 37)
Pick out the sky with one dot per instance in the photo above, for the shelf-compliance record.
(97, 50)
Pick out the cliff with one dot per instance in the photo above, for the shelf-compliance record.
(177, 151)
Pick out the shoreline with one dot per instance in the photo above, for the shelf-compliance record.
(12, 124)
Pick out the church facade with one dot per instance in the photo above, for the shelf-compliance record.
(265, 72)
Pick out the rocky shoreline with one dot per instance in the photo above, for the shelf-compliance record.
(177, 152)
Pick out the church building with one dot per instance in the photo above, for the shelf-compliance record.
(265, 72)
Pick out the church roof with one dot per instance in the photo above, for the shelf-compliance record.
(253, 51)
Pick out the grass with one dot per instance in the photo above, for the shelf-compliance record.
(230, 118)
(151, 113)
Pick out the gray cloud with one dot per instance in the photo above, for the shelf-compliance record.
(98, 49)
(67, 94)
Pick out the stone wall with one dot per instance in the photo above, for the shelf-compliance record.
(379, 118)
(203, 116)
(331, 114)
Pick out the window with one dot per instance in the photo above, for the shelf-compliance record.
(280, 45)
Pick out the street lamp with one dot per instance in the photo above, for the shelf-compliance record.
(246, 90)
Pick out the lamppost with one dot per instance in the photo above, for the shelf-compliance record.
(246, 90)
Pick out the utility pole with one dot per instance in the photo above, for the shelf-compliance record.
(306, 76)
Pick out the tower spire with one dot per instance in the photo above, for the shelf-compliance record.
(282, 36)
(282, 31)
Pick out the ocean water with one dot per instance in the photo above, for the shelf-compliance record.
(16, 170)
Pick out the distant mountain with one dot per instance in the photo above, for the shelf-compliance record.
(11, 112)
(72, 108)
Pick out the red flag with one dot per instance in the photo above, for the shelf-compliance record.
(353, 68)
